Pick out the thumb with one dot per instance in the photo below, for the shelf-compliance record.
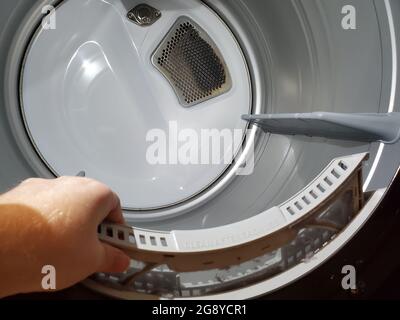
(113, 260)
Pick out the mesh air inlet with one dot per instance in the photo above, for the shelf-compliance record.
(192, 63)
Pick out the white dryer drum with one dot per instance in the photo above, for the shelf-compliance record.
(94, 101)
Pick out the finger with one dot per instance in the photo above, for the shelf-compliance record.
(112, 260)
(107, 206)
(116, 214)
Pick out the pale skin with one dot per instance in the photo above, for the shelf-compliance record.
(54, 222)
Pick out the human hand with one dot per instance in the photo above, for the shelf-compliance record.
(54, 222)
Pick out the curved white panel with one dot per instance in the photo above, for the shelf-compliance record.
(335, 175)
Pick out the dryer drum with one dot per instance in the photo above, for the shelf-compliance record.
(311, 86)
